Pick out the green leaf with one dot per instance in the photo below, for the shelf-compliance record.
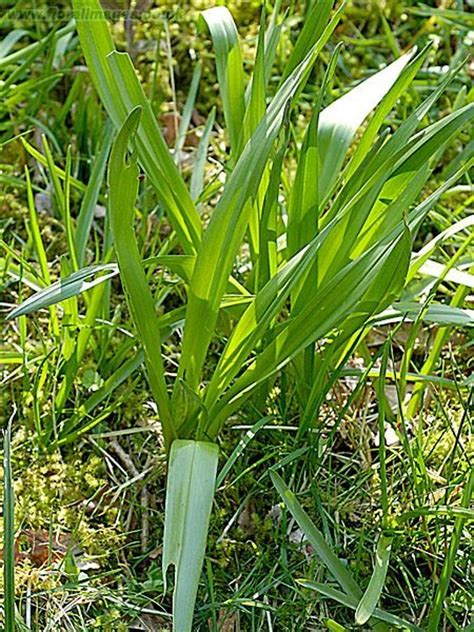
(339, 122)
(8, 42)
(230, 74)
(303, 207)
(189, 494)
(187, 113)
(197, 176)
(314, 24)
(371, 596)
(123, 189)
(64, 289)
(336, 568)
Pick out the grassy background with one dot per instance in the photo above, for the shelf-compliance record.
(89, 513)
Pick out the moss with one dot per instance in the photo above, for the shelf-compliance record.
(54, 493)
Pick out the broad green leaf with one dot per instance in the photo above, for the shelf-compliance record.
(230, 74)
(66, 288)
(120, 91)
(335, 567)
(339, 122)
(401, 84)
(380, 161)
(123, 189)
(189, 494)
(371, 596)
(399, 167)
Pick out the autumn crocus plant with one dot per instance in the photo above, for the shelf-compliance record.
(329, 248)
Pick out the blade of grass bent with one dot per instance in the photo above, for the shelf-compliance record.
(123, 189)
(335, 567)
(64, 289)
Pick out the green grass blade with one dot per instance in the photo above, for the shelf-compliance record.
(303, 208)
(189, 494)
(448, 566)
(335, 567)
(197, 177)
(37, 155)
(39, 246)
(36, 47)
(8, 535)
(267, 261)
(371, 596)
(187, 113)
(314, 24)
(89, 202)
